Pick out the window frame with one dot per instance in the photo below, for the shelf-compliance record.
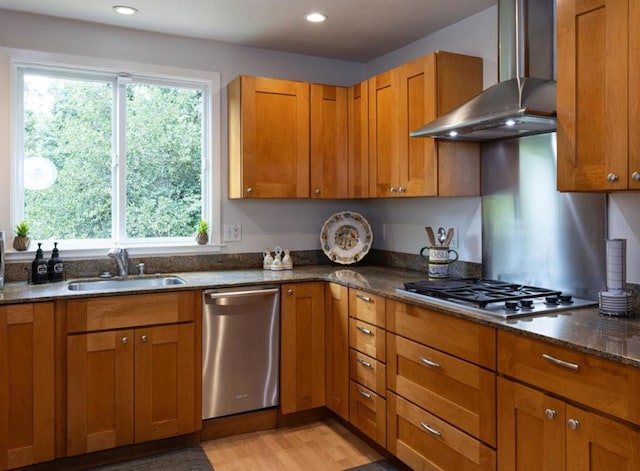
(142, 73)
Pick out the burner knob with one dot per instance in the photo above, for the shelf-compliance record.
(511, 305)
(527, 303)
(565, 299)
(551, 299)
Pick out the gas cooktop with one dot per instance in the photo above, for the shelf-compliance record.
(494, 297)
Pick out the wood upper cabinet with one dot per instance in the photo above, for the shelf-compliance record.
(130, 380)
(358, 139)
(540, 432)
(329, 162)
(26, 384)
(598, 95)
(402, 100)
(337, 349)
(268, 124)
(302, 350)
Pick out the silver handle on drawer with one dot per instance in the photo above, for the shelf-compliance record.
(363, 330)
(364, 363)
(364, 298)
(124, 340)
(364, 393)
(556, 361)
(573, 423)
(550, 414)
(428, 362)
(144, 339)
(430, 429)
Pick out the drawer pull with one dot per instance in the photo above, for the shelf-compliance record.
(550, 414)
(364, 298)
(363, 393)
(364, 363)
(556, 361)
(430, 363)
(430, 429)
(124, 340)
(363, 330)
(573, 424)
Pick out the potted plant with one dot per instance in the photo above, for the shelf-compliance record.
(202, 236)
(21, 240)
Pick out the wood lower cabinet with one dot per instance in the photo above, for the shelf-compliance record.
(268, 138)
(302, 352)
(337, 349)
(133, 381)
(539, 432)
(27, 384)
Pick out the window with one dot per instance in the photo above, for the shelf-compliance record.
(107, 158)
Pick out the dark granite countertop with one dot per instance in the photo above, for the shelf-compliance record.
(582, 329)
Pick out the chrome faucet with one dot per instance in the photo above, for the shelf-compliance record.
(122, 259)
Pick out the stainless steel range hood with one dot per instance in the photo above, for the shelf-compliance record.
(519, 105)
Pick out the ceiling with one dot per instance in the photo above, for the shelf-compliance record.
(356, 30)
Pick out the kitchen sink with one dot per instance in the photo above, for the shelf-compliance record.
(126, 283)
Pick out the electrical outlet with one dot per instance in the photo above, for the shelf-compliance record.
(232, 233)
(454, 241)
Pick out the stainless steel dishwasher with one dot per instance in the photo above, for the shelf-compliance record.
(240, 350)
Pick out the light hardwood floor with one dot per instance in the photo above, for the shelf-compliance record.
(319, 446)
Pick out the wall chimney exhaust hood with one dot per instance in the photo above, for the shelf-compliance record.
(519, 105)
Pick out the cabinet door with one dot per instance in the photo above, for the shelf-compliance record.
(26, 387)
(268, 138)
(99, 390)
(593, 100)
(596, 443)
(531, 429)
(302, 369)
(329, 169)
(337, 349)
(634, 96)
(358, 139)
(384, 133)
(164, 381)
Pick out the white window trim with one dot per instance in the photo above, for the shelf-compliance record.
(212, 193)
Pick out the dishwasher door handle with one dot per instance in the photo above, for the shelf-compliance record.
(235, 294)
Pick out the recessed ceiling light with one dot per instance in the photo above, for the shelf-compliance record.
(125, 10)
(315, 17)
(453, 133)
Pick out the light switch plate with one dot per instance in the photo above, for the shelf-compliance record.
(232, 233)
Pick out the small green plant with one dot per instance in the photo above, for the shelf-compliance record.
(22, 229)
(203, 227)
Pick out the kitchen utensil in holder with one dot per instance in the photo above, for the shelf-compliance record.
(616, 300)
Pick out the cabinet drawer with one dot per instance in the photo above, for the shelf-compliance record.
(605, 385)
(423, 441)
(458, 391)
(368, 339)
(461, 338)
(367, 307)
(368, 371)
(118, 312)
(368, 412)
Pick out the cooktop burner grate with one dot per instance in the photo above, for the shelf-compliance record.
(479, 292)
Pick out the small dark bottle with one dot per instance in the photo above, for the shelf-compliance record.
(55, 269)
(39, 268)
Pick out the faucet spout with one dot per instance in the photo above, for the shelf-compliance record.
(121, 257)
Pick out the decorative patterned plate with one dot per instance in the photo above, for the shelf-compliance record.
(346, 237)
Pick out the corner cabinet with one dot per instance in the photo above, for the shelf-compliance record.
(130, 369)
(268, 124)
(302, 347)
(26, 385)
(598, 95)
(404, 99)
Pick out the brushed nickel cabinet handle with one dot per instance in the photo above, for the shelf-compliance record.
(363, 330)
(124, 340)
(635, 176)
(392, 189)
(364, 363)
(249, 191)
(428, 362)
(363, 393)
(430, 429)
(318, 191)
(364, 298)
(402, 189)
(573, 423)
(144, 339)
(289, 291)
(550, 414)
(556, 361)
(612, 177)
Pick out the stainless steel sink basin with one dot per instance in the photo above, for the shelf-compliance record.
(126, 283)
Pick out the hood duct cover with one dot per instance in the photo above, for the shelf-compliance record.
(515, 107)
